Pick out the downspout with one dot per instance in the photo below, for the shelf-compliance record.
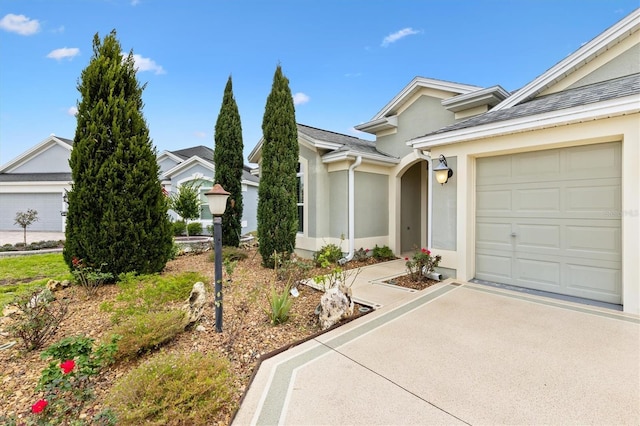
(352, 212)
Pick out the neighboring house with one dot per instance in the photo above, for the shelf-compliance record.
(39, 178)
(196, 165)
(545, 186)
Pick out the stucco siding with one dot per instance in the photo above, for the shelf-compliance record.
(250, 209)
(54, 159)
(166, 164)
(371, 205)
(338, 199)
(425, 115)
(444, 205)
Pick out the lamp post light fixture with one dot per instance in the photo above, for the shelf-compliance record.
(217, 198)
(442, 171)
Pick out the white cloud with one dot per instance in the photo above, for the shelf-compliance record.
(73, 111)
(19, 24)
(200, 135)
(135, 2)
(146, 64)
(64, 52)
(392, 38)
(353, 74)
(300, 98)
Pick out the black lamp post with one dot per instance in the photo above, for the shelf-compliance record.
(217, 198)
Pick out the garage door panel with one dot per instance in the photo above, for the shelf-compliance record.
(596, 241)
(593, 161)
(494, 202)
(494, 235)
(537, 200)
(539, 273)
(599, 283)
(538, 236)
(559, 233)
(593, 199)
(494, 267)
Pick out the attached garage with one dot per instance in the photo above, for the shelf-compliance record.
(551, 220)
(48, 205)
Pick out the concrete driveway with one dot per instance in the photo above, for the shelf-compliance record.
(458, 353)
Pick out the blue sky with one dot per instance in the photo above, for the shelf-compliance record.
(345, 59)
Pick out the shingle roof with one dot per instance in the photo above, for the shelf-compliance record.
(349, 143)
(597, 92)
(206, 153)
(35, 177)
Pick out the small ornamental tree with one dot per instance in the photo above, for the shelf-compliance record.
(277, 192)
(186, 202)
(24, 219)
(228, 161)
(117, 210)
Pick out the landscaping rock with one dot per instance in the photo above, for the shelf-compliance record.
(194, 305)
(335, 304)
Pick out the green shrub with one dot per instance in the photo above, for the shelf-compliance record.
(328, 255)
(147, 331)
(383, 253)
(361, 255)
(89, 278)
(187, 389)
(230, 254)
(280, 304)
(195, 228)
(179, 228)
(39, 317)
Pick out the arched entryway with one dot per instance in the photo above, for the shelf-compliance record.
(413, 212)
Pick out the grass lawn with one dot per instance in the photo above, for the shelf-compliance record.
(22, 273)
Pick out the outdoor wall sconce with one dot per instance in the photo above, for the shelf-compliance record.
(442, 171)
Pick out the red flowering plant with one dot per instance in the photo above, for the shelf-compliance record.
(421, 264)
(67, 382)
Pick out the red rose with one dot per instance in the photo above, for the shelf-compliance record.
(406, 258)
(39, 406)
(424, 250)
(67, 366)
(428, 251)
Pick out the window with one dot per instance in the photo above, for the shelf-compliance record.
(300, 177)
(205, 213)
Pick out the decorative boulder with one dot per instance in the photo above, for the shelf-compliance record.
(194, 305)
(335, 304)
(54, 285)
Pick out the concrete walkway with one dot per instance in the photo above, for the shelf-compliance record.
(456, 353)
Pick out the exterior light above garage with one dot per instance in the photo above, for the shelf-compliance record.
(442, 170)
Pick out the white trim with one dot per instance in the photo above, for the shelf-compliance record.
(416, 84)
(595, 111)
(188, 163)
(334, 157)
(582, 56)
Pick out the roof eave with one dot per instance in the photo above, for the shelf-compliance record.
(375, 126)
(582, 113)
(380, 159)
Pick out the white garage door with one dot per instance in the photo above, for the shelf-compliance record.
(48, 206)
(550, 220)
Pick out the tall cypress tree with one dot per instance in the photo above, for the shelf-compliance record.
(277, 193)
(228, 161)
(117, 212)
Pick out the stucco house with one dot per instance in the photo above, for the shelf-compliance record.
(38, 179)
(544, 191)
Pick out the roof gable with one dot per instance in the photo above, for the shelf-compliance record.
(625, 28)
(52, 142)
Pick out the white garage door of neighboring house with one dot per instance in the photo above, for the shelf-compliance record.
(48, 206)
(550, 220)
